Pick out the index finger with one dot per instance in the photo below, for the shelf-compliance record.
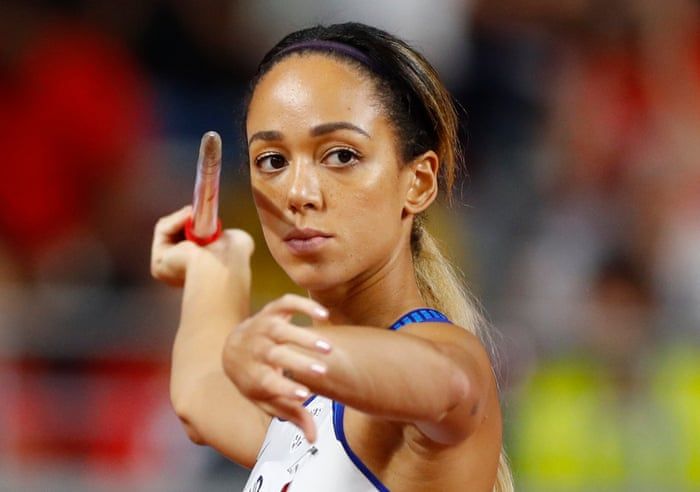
(173, 223)
(290, 304)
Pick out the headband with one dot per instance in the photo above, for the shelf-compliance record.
(332, 47)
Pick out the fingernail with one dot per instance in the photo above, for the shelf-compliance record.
(323, 345)
(301, 393)
(321, 312)
(318, 368)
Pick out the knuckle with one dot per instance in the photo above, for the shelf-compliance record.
(275, 330)
(160, 224)
(241, 239)
(259, 351)
(158, 271)
(267, 382)
(288, 298)
(272, 354)
(248, 389)
(188, 248)
(268, 307)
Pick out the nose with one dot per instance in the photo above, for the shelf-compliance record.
(305, 191)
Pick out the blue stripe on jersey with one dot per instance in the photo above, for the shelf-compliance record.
(423, 315)
(338, 412)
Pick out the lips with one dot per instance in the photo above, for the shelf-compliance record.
(307, 240)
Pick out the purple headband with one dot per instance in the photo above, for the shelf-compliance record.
(331, 46)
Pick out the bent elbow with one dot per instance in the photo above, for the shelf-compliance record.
(192, 434)
(457, 418)
(184, 413)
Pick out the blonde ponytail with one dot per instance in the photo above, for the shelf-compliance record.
(442, 288)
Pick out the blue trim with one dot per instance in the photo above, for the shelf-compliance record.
(422, 315)
(306, 403)
(309, 400)
(338, 413)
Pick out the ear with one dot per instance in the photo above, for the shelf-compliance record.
(422, 177)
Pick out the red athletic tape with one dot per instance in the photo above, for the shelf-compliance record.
(202, 241)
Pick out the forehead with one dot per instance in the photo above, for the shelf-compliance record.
(308, 89)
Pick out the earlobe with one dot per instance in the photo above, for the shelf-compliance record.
(423, 186)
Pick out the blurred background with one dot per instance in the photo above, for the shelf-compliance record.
(578, 225)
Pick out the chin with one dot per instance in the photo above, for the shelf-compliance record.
(312, 277)
(316, 273)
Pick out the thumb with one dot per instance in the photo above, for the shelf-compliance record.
(173, 263)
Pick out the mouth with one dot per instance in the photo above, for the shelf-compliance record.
(306, 241)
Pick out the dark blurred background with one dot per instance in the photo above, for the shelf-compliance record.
(578, 225)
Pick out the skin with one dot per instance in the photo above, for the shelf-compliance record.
(422, 404)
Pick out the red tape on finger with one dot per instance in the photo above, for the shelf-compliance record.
(202, 241)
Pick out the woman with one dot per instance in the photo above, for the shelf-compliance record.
(347, 130)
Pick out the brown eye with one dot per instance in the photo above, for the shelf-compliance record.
(342, 157)
(345, 156)
(270, 162)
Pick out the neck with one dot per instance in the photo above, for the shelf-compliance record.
(375, 298)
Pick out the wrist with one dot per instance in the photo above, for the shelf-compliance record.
(213, 289)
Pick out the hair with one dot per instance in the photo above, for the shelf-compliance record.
(424, 117)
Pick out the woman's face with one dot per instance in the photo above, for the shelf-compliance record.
(327, 180)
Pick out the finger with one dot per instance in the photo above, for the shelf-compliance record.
(164, 238)
(284, 332)
(272, 384)
(170, 264)
(205, 201)
(303, 419)
(294, 412)
(285, 357)
(172, 224)
(168, 229)
(290, 304)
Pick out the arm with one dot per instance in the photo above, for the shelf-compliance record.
(434, 375)
(216, 283)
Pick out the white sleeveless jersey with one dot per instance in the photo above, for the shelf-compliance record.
(287, 462)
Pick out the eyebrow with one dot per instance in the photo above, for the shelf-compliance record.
(323, 129)
(267, 135)
(337, 125)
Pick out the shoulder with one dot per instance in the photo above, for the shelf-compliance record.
(454, 341)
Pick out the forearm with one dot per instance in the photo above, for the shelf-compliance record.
(392, 375)
(209, 405)
(214, 301)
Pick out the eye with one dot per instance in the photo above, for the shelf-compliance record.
(342, 157)
(270, 163)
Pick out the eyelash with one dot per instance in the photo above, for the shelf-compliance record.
(260, 159)
(356, 156)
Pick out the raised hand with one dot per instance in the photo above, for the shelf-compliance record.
(171, 255)
(263, 353)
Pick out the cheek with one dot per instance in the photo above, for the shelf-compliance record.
(269, 202)
(370, 216)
